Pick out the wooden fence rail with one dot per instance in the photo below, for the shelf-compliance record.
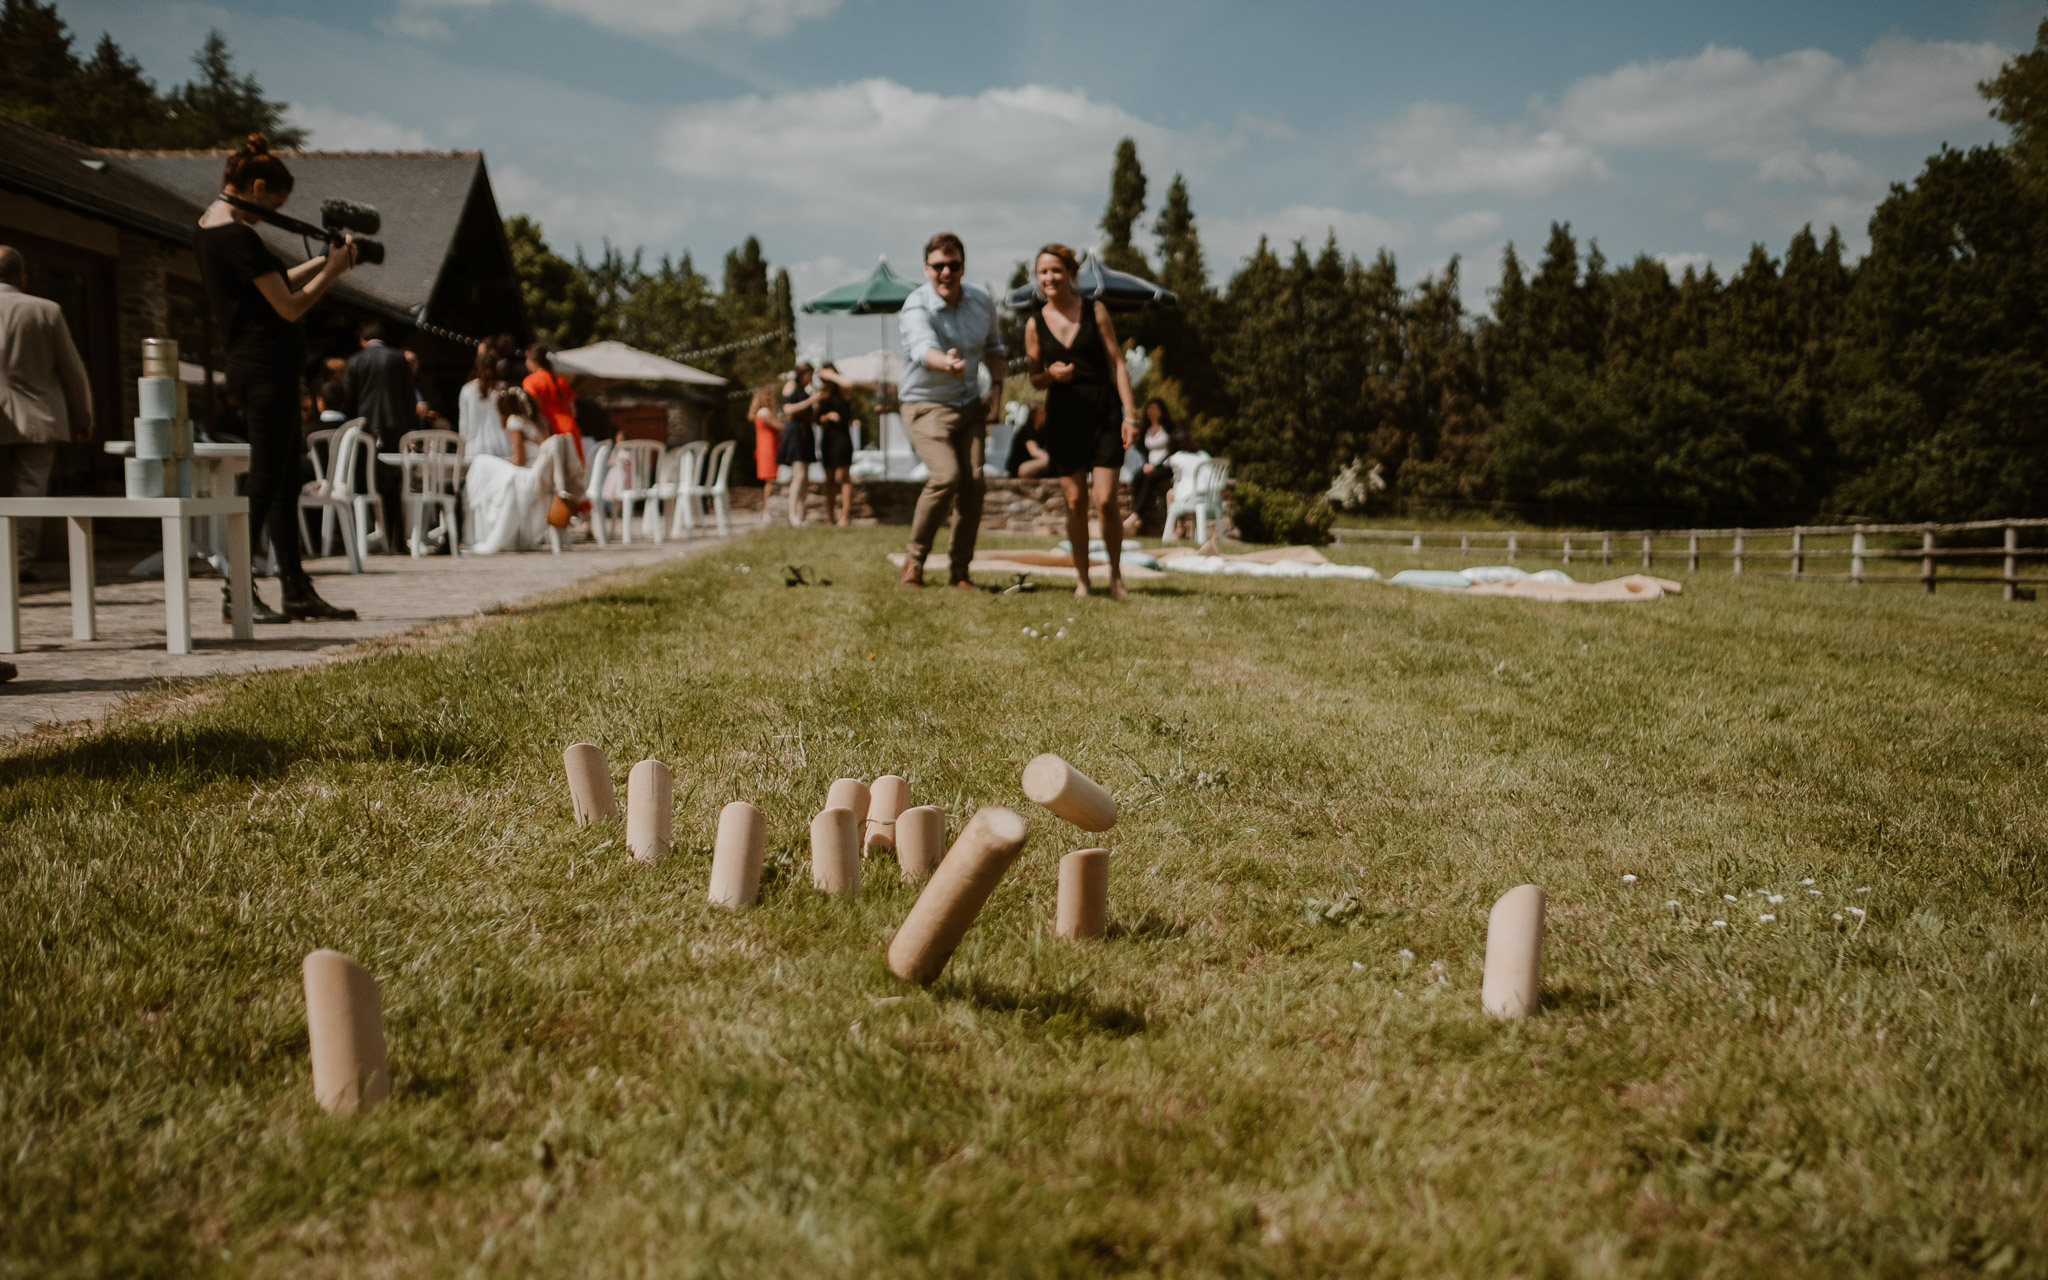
(1740, 548)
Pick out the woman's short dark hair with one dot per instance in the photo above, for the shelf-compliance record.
(251, 161)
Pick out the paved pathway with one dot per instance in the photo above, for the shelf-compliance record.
(68, 680)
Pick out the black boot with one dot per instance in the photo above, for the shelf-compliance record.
(258, 611)
(304, 603)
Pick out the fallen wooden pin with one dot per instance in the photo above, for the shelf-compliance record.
(920, 842)
(835, 853)
(1069, 793)
(1514, 954)
(958, 890)
(1084, 896)
(736, 855)
(590, 784)
(650, 809)
(887, 800)
(345, 1024)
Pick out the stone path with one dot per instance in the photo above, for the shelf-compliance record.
(65, 680)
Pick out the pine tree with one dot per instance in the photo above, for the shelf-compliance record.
(37, 66)
(2019, 98)
(746, 279)
(559, 301)
(114, 103)
(221, 108)
(1126, 206)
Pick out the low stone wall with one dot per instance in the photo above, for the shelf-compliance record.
(1009, 506)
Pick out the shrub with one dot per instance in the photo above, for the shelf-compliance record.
(1262, 514)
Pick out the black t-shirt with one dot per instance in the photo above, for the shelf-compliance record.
(232, 257)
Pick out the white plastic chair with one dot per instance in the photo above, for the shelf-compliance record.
(346, 496)
(430, 479)
(643, 466)
(599, 467)
(712, 489)
(684, 475)
(1203, 499)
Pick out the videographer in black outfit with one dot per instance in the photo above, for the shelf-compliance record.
(257, 301)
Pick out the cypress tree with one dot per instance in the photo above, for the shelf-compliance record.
(1126, 206)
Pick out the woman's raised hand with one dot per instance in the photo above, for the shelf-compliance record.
(1060, 371)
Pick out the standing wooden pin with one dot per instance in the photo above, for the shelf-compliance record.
(345, 1023)
(920, 841)
(835, 853)
(650, 808)
(1514, 953)
(850, 793)
(887, 799)
(590, 784)
(1084, 895)
(958, 890)
(736, 855)
(1070, 793)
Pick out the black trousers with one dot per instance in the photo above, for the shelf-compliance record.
(270, 410)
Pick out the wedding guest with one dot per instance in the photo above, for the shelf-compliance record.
(1159, 442)
(1079, 364)
(767, 442)
(506, 500)
(835, 445)
(950, 329)
(476, 409)
(333, 396)
(44, 394)
(799, 446)
(1028, 459)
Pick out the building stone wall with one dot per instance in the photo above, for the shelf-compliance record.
(1033, 507)
(143, 310)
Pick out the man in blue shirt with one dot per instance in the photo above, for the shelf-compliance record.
(950, 330)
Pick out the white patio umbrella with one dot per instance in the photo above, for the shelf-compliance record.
(617, 362)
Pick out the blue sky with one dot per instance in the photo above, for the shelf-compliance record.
(839, 130)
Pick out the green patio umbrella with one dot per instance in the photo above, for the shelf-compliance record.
(882, 292)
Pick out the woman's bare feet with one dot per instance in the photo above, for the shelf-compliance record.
(1116, 589)
(1082, 591)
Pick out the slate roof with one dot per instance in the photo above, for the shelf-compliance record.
(85, 181)
(421, 194)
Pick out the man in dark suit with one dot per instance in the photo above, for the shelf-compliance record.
(381, 391)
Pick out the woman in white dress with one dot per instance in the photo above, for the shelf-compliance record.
(476, 409)
(507, 498)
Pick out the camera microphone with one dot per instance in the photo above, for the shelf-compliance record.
(347, 215)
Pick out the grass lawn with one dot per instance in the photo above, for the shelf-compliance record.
(598, 1074)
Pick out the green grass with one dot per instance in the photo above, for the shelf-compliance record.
(597, 1074)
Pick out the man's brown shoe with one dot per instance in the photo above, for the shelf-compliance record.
(966, 583)
(913, 574)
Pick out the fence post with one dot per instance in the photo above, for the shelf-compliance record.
(1513, 542)
(1646, 551)
(1857, 546)
(1417, 544)
(1606, 548)
(1798, 552)
(1464, 542)
(1737, 567)
(1927, 560)
(2012, 546)
(1567, 548)
(1692, 553)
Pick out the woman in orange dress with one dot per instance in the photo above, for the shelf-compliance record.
(767, 442)
(552, 395)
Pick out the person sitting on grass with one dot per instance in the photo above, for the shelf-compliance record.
(1028, 459)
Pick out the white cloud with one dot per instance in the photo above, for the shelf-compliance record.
(1679, 263)
(329, 129)
(1725, 222)
(763, 18)
(1464, 228)
(1905, 87)
(1436, 148)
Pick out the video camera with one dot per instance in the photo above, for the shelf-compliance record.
(337, 218)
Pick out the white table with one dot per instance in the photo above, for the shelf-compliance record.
(214, 468)
(79, 513)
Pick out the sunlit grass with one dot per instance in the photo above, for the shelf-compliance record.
(596, 1073)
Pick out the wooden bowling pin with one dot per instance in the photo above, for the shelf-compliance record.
(650, 808)
(850, 793)
(1514, 953)
(736, 855)
(1084, 895)
(835, 853)
(958, 890)
(345, 1022)
(1070, 793)
(888, 798)
(920, 842)
(590, 784)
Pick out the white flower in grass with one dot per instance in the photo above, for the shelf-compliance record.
(1628, 879)
(1765, 918)
(1808, 880)
(1718, 924)
(1814, 892)
(1730, 897)
(1776, 898)
(1356, 965)
(1405, 955)
(1061, 634)
(1864, 889)
(1858, 912)
(1672, 903)
(1838, 915)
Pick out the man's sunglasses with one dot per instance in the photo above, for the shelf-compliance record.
(941, 268)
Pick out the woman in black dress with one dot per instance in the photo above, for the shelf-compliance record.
(799, 448)
(835, 445)
(257, 302)
(1079, 364)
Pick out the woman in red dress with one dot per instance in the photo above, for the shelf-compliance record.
(551, 394)
(767, 441)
